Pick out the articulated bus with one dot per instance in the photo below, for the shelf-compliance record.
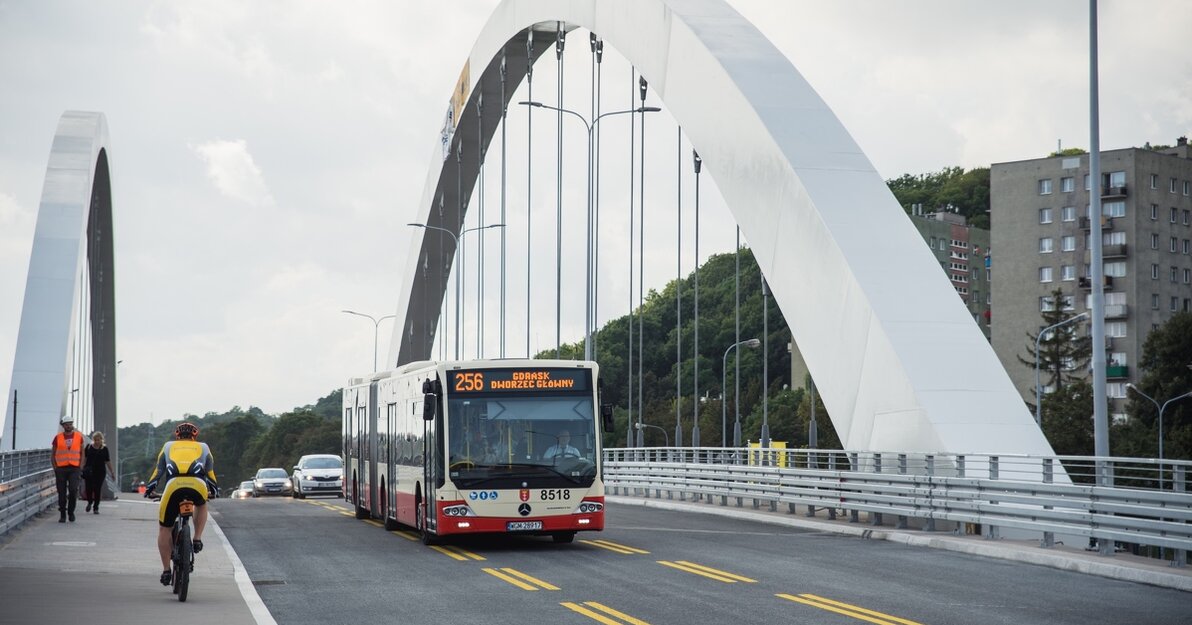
(481, 446)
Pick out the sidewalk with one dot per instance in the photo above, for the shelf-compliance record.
(1121, 566)
(103, 569)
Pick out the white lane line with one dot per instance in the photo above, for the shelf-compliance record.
(256, 607)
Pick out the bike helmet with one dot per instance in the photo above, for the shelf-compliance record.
(186, 430)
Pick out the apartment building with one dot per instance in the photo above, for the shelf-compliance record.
(1040, 242)
(963, 253)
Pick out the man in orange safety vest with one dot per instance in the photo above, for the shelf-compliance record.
(66, 453)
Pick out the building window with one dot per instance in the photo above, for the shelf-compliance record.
(1174, 182)
(1118, 359)
(1116, 269)
(1174, 213)
(1086, 182)
(1186, 187)
(1046, 245)
(931, 243)
(1114, 179)
(1068, 242)
(1154, 212)
(943, 245)
(1175, 245)
(1154, 272)
(1186, 246)
(1045, 186)
(1114, 209)
(1046, 303)
(1154, 241)
(1187, 215)
(1154, 181)
(1175, 303)
(1188, 276)
(1116, 390)
(1154, 301)
(1175, 272)
(1044, 215)
(960, 277)
(1067, 272)
(1067, 185)
(964, 244)
(1113, 238)
(1116, 329)
(1068, 213)
(1045, 274)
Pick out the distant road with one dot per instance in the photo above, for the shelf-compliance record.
(312, 562)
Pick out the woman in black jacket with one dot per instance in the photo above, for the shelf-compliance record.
(97, 462)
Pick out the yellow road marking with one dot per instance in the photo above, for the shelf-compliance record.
(465, 552)
(620, 615)
(530, 578)
(516, 582)
(405, 534)
(588, 613)
(611, 546)
(372, 522)
(856, 608)
(719, 578)
(448, 553)
(740, 578)
(345, 513)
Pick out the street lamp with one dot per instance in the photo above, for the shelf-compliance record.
(459, 269)
(376, 326)
(751, 344)
(1160, 409)
(640, 426)
(1038, 389)
(589, 314)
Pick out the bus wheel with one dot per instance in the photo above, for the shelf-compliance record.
(563, 537)
(420, 521)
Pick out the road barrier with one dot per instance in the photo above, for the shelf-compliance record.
(26, 486)
(1140, 501)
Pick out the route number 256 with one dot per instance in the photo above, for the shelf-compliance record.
(469, 382)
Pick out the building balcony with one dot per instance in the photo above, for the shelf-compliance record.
(1117, 372)
(1113, 192)
(1086, 282)
(1106, 223)
(1116, 311)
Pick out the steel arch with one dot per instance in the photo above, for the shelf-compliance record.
(897, 358)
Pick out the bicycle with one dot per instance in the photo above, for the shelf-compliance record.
(182, 555)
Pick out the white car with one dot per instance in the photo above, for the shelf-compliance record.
(317, 474)
(271, 482)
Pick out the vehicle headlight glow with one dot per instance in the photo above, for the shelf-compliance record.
(588, 507)
(458, 510)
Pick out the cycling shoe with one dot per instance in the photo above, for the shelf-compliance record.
(198, 545)
(166, 578)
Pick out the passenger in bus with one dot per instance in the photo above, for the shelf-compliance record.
(561, 449)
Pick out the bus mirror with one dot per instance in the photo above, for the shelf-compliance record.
(427, 387)
(428, 407)
(606, 416)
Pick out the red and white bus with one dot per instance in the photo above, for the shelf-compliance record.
(479, 446)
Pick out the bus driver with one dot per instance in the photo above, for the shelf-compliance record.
(562, 449)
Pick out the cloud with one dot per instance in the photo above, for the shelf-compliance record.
(232, 170)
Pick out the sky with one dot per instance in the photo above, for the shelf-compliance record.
(267, 156)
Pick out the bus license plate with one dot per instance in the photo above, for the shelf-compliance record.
(523, 526)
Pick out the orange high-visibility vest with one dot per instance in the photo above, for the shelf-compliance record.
(66, 454)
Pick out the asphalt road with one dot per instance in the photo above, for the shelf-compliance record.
(312, 562)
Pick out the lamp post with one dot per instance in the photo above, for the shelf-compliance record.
(641, 426)
(1160, 409)
(376, 327)
(752, 344)
(459, 269)
(1038, 339)
(589, 313)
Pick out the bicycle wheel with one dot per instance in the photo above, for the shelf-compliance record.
(184, 562)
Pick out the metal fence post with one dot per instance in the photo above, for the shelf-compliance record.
(992, 534)
(875, 518)
(901, 522)
(832, 468)
(929, 525)
(1048, 478)
(1179, 479)
(853, 515)
(1105, 479)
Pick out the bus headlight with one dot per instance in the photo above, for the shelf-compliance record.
(458, 510)
(588, 507)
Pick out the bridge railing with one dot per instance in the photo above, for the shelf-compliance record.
(1146, 503)
(26, 486)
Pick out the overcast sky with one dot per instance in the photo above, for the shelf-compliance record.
(266, 156)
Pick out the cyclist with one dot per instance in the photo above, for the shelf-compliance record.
(186, 470)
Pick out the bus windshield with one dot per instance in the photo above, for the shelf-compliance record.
(498, 441)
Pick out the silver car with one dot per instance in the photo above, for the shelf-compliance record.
(317, 474)
(271, 482)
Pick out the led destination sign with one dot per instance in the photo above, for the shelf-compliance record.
(508, 380)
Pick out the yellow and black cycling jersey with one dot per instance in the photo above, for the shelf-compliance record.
(185, 459)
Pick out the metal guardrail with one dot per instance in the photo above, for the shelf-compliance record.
(26, 486)
(1142, 501)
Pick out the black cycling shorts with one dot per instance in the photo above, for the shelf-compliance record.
(169, 507)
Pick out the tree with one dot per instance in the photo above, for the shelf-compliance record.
(951, 189)
(1064, 352)
(1068, 420)
(1166, 363)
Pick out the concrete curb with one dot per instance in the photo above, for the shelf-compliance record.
(1142, 574)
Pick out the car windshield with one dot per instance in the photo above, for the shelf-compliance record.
(321, 463)
(271, 474)
(246, 485)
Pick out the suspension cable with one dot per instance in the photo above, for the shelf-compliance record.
(678, 285)
(596, 199)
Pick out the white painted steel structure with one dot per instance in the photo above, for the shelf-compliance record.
(66, 344)
(897, 358)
